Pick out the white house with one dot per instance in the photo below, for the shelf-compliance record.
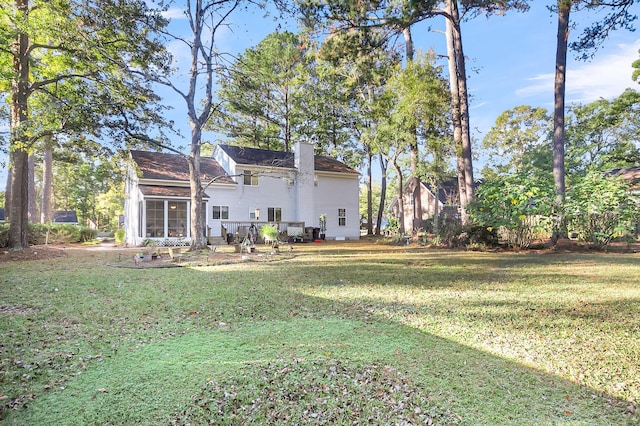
(243, 187)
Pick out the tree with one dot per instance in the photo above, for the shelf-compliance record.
(205, 20)
(515, 138)
(592, 37)
(423, 104)
(361, 71)
(260, 91)
(603, 134)
(81, 182)
(397, 18)
(599, 208)
(46, 45)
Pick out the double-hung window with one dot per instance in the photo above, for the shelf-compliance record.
(250, 178)
(274, 214)
(342, 217)
(221, 212)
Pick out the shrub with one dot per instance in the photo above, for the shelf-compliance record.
(87, 234)
(39, 233)
(599, 208)
(517, 206)
(119, 236)
(4, 234)
(269, 232)
(482, 237)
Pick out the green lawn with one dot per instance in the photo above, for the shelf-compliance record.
(332, 333)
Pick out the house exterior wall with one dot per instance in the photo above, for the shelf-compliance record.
(428, 206)
(332, 193)
(297, 196)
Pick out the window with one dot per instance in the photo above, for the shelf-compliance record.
(274, 214)
(221, 212)
(177, 219)
(155, 218)
(250, 178)
(342, 217)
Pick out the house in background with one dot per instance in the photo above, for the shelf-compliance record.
(631, 175)
(65, 216)
(446, 203)
(244, 187)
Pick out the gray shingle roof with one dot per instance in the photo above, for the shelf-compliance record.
(164, 166)
(263, 157)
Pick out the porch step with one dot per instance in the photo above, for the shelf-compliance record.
(217, 241)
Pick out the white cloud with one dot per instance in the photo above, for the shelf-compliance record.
(174, 13)
(607, 76)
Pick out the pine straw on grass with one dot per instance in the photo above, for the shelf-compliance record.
(313, 392)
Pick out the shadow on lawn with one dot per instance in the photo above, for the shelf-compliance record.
(275, 322)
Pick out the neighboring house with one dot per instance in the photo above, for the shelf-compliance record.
(65, 216)
(243, 187)
(2, 217)
(446, 203)
(631, 175)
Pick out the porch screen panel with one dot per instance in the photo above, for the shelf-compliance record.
(177, 219)
(155, 218)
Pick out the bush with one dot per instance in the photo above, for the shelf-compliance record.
(269, 232)
(481, 236)
(599, 208)
(119, 236)
(517, 206)
(39, 233)
(4, 234)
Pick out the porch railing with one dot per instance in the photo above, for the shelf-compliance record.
(241, 228)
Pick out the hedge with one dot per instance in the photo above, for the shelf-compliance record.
(53, 233)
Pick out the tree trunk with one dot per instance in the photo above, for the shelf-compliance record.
(413, 145)
(383, 193)
(436, 212)
(198, 225)
(401, 224)
(7, 193)
(33, 205)
(47, 183)
(19, 213)
(460, 108)
(564, 9)
(369, 194)
(19, 205)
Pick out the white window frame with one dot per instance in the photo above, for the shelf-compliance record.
(250, 178)
(223, 213)
(342, 217)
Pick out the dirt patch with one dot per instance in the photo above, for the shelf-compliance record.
(32, 253)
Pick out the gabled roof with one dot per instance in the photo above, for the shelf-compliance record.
(167, 191)
(266, 158)
(630, 174)
(64, 216)
(164, 166)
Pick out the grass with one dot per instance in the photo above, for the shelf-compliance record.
(332, 333)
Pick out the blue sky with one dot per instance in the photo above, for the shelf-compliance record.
(510, 61)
